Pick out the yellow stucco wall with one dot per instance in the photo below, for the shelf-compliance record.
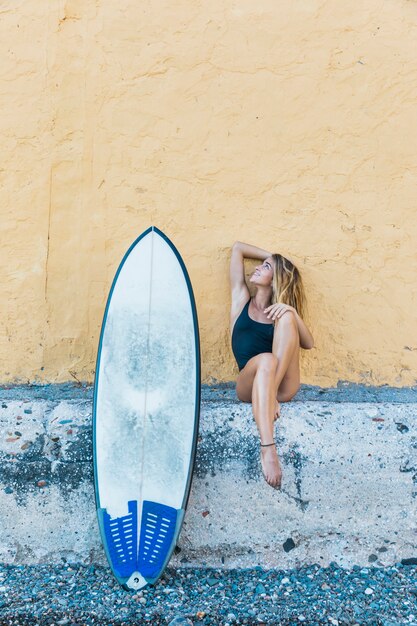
(289, 125)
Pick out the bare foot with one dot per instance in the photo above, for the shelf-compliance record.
(271, 468)
(277, 413)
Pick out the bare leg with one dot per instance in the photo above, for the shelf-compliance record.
(263, 396)
(286, 347)
(256, 384)
(266, 379)
(264, 391)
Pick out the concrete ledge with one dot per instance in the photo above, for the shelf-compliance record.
(349, 489)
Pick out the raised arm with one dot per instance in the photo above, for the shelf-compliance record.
(239, 289)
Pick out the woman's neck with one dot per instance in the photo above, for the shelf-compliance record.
(262, 298)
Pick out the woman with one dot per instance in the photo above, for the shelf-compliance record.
(267, 333)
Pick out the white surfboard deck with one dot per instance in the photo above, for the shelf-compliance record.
(146, 408)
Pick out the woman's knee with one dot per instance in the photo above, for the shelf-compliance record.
(287, 319)
(287, 324)
(267, 362)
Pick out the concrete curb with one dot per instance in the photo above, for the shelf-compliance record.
(349, 489)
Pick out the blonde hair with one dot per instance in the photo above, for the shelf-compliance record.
(287, 285)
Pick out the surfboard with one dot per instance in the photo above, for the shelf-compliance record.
(145, 409)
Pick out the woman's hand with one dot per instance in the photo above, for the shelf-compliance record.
(275, 311)
(278, 310)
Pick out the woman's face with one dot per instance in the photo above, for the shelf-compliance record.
(264, 273)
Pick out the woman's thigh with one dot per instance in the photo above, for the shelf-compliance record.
(288, 386)
(286, 347)
(244, 382)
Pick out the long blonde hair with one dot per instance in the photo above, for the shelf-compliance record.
(287, 285)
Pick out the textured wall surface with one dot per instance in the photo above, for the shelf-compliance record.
(287, 125)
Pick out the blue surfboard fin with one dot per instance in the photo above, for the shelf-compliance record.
(121, 533)
(157, 531)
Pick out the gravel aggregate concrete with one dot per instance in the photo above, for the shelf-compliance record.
(74, 594)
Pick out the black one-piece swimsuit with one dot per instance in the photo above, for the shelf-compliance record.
(250, 337)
